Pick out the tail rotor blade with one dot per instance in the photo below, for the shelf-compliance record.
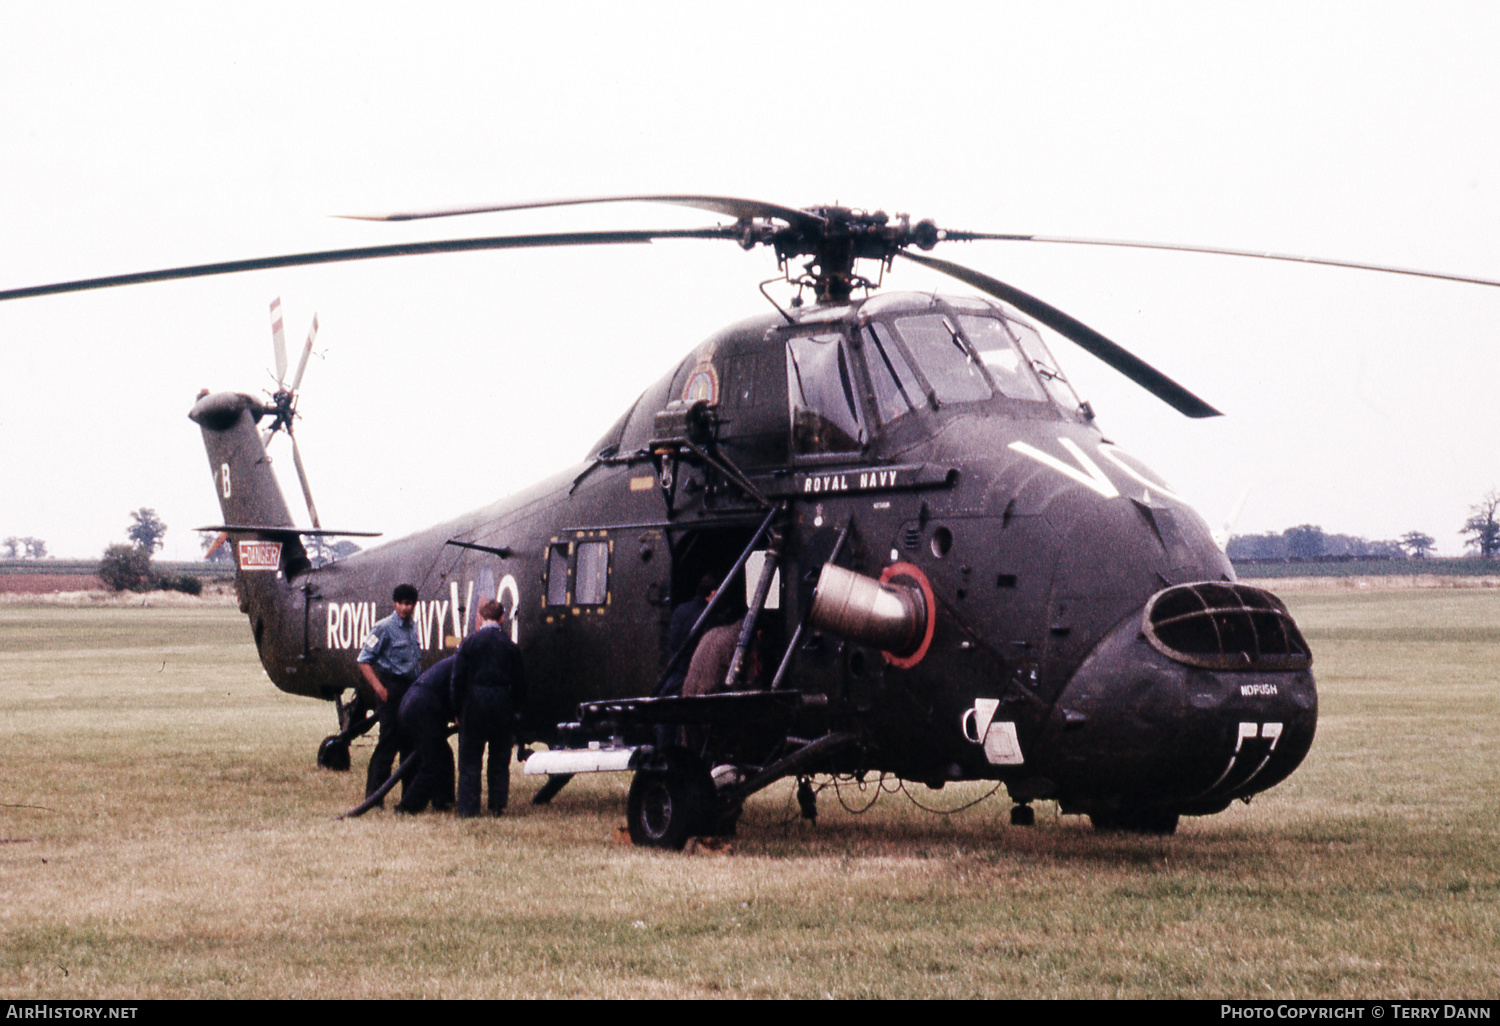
(306, 352)
(278, 341)
(1121, 359)
(312, 511)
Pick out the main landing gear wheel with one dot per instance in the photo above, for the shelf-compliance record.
(333, 753)
(1136, 821)
(667, 806)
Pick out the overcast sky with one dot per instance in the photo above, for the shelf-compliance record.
(149, 135)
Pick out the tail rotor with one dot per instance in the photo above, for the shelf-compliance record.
(284, 399)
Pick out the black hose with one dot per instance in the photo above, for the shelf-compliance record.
(401, 773)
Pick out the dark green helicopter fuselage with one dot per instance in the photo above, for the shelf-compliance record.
(1084, 639)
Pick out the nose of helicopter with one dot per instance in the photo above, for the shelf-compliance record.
(1204, 697)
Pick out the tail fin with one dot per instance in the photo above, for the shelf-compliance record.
(249, 495)
(248, 492)
(257, 521)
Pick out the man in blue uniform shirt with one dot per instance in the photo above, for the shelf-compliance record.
(488, 687)
(390, 660)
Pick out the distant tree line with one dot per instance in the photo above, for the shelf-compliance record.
(1481, 534)
(24, 548)
(1309, 541)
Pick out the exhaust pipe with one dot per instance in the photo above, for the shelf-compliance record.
(888, 616)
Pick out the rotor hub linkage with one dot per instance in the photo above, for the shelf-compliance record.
(283, 408)
(835, 237)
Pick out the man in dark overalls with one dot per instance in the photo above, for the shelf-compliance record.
(390, 660)
(684, 617)
(424, 719)
(489, 685)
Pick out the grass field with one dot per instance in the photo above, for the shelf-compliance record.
(1440, 567)
(166, 834)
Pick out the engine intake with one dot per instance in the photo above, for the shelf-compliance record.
(890, 617)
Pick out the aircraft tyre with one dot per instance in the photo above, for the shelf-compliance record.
(1024, 815)
(1161, 822)
(667, 806)
(333, 753)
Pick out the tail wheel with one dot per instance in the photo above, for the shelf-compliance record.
(667, 806)
(333, 753)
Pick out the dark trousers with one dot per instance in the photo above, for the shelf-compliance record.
(393, 740)
(424, 720)
(488, 718)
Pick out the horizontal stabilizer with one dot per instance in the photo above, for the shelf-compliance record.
(286, 530)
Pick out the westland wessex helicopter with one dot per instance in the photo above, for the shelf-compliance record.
(942, 568)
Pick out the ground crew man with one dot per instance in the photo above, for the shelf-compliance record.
(424, 719)
(390, 660)
(489, 685)
(712, 659)
(684, 618)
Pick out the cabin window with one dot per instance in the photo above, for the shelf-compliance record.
(1007, 367)
(557, 575)
(943, 359)
(1041, 359)
(591, 579)
(820, 389)
(897, 390)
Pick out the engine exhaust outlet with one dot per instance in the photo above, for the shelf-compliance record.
(888, 616)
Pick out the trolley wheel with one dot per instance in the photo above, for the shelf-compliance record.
(667, 806)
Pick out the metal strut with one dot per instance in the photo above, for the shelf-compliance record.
(757, 605)
(794, 764)
(791, 648)
(713, 604)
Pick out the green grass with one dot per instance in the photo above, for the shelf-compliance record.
(167, 835)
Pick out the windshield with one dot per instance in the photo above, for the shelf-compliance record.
(943, 359)
(1006, 365)
(1052, 377)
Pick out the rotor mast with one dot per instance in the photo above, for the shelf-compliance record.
(835, 237)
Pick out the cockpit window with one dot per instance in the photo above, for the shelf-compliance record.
(820, 390)
(1006, 365)
(943, 358)
(897, 390)
(1052, 377)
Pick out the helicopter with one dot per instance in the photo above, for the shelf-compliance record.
(941, 567)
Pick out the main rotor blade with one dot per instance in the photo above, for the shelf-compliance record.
(312, 510)
(1178, 247)
(333, 256)
(739, 209)
(312, 333)
(278, 342)
(1121, 359)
